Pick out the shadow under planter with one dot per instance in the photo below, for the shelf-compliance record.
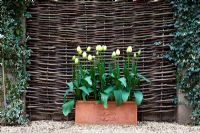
(89, 112)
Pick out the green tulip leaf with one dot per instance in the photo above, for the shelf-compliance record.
(123, 81)
(138, 97)
(125, 95)
(88, 80)
(109, 90)
(67, 107)
(104, 99)
(118, 97)
(71, 85)
(86, 90)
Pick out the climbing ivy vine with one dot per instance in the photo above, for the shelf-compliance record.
(185, 51)
(14, 58)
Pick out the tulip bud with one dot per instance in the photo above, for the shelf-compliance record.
(80, 52)
(78, 49)
(104, 47)
(129, 49)
(90, 57)
(97, 53)
(113, 54)
(135, 55)
(98, 47)
(117, 52)
(73, 58)
(139, 52)
(93, 57)
(88, 49)
(84, 55)
(76, 61)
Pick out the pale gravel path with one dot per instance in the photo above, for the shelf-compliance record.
(70, 127)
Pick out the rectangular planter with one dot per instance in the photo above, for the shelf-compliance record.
(89, 112)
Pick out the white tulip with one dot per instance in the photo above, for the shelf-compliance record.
(117, 52)
(88, 49)
(113, 54)
(129, 49)
(84, 55)
(73, 58)
(93, 57)
(80, 52)
(98, 47)
(76, 61)
(78, 49)
(135, 55)
(104, 47)
(90, 57)
(139, 52)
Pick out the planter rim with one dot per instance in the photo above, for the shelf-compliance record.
(92, 101)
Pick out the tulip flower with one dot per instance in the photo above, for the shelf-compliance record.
(129, 49)
(117, 52)
(76, 61)
(88, 49)
(84, 55)
(90, 57)
(113, 54)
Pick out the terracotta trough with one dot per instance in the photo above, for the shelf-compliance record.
(89, 112)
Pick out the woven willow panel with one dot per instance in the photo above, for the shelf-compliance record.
(56, 28)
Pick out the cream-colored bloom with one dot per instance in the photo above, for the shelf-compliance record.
(90, 57)
(117, 52)
(135, 55)
(129, 49)
(88, 49)
(104, 47)
(139, 52)
(113, 54)
(84, 55)
(93, 57)
(76, 61)
(78, 49)
(80, 52)
(98, 47)
(73, 58)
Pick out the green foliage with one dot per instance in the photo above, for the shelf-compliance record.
(91, 78)
(185, 51)
(15, 53)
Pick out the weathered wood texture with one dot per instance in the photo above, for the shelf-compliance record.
(56, 28)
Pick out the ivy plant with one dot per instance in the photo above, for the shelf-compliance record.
(185, 51)
(15, 57)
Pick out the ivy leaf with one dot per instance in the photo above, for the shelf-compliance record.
(67, 107)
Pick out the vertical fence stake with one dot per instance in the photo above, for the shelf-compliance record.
(3, 82)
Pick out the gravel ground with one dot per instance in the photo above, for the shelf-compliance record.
(70, 127)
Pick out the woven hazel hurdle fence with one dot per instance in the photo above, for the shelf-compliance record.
(56, 28)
